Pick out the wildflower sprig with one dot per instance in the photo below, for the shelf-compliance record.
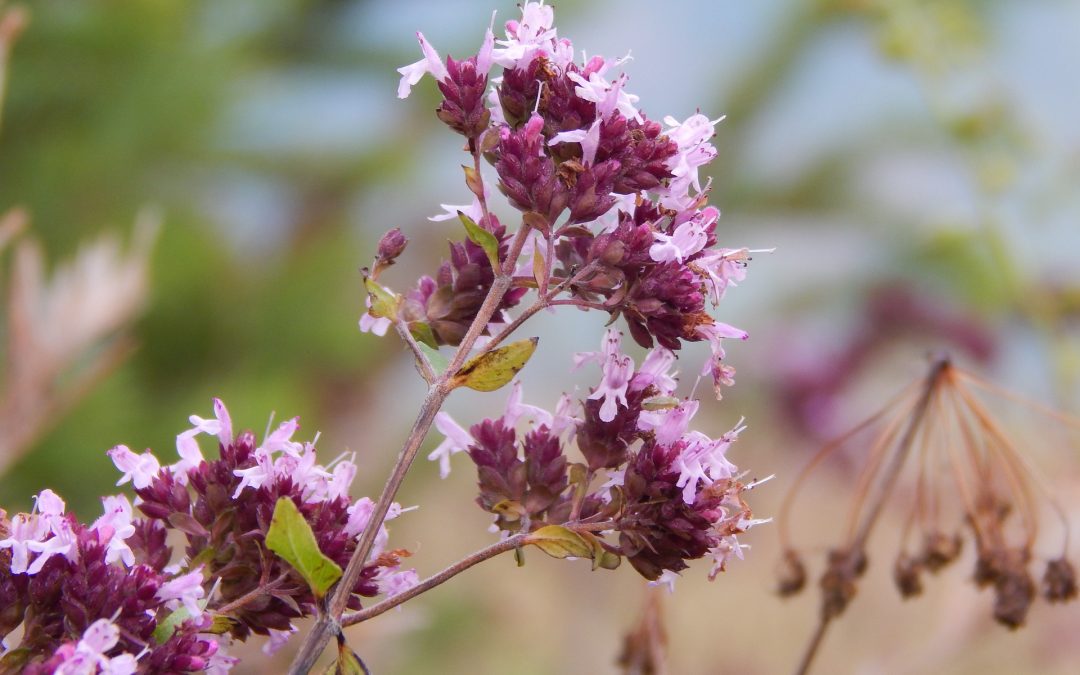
(613, 218)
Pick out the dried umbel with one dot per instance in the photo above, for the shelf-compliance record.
(942, 429)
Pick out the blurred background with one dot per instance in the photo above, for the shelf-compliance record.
(914, 162)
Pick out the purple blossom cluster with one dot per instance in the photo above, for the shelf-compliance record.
(667, 494)
(614, 211)
(111, 596)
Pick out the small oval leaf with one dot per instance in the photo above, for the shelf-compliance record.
(291, 538)
(610, 561)
(384, 304)
(423, 333)
(560, 542)
(490, 371)
(482, 238)
(435, 358)
(348, 662)
(165, 628)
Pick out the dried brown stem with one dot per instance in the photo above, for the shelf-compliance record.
(879, 495)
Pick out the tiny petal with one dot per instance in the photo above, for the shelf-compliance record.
(187, 589)
(457, 440)
(139, 469)
(431, 63)
(277, 640)
(666, 578)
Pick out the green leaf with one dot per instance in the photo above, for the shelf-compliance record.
(15, 660)
(422, 333)
(347, 663)
(539, 268)
(490, 371)
(510, 510)
(204, 557)
(609, 561)
(220, 624)
(474, 181)
(291, 538)
(560, 542)
(166, 628)
(482, 238)
(435, 358)
(384, 304)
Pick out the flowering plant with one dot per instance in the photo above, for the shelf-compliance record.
(613, 219)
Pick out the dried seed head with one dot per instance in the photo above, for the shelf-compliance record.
(907, 573)
(939, 550)
(838, 582)
(791, 574)
(1014, 589)
(1059, 581)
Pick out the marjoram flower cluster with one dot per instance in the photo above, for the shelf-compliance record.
(111, 596)
(614, 219)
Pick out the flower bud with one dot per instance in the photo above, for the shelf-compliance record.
(391, 246)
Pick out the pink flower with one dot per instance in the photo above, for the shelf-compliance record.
(359, 516)
(186, 590)
(610, 346)
(303, 470)
(139, 469)
(220, 662)
(685, 241)
(395, 581)
(188, 448)
(617, 368)
(564, 419)
(515, 409)
(280, 439)
(115, 526)
(277, 640)
(190, 455)
(703, 460)
(526, 38)
(606, 95)
(692, 137)
(61, 543)
(475, 211)
(612, 388)
(340, 479)
(722, 268)
(89, 655)
(25, 529)
(668, 425)
(589, 139)
(716, 332)
(258, 475)
(457, 440)
(655, 371)
(49, 505)
(220, 426)
(431, 63)
(666, 578)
